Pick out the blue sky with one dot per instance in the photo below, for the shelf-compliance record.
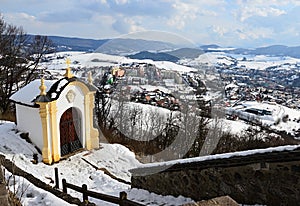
(238, 23)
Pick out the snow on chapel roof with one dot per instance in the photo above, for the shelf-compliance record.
(30, 92)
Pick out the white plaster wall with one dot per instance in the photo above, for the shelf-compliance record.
(63, 104)
(29, 120)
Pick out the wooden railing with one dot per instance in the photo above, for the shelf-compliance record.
(121, 200)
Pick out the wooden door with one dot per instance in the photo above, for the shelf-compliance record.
(70, 131)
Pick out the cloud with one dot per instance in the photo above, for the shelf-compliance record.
(249, 33)
(184, 12)
(69, 15)
(120, 2)
(220, 30)
(19, 16)
(189, 11)
(271, 20)
(128, 8)
(247, 9)
(248, 12)
(226, 22)
(126, 25)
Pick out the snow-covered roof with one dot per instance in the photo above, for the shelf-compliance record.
(29, 93)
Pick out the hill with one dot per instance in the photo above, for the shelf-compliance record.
(76, 44)
(117, 46)
(73, 44)
(189, 53)
(154, 56)
(273, 50)
(129, 46)
(121, 46)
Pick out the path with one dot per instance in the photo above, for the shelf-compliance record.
(11, 167)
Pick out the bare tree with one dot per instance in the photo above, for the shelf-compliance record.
(216, 129)
(103, 107)
(20, 55)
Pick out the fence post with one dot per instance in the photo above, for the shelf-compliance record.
(56, 178)
(64, 185)
(84, 193)
(123, 196)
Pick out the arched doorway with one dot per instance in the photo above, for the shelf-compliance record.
(70, 131)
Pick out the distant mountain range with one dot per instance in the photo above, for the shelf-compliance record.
(158, 50)
(117, 46)
(273, 50)
(76, 44)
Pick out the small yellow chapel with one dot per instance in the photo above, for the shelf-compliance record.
(58, 115)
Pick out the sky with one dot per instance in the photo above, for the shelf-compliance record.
(236, 23)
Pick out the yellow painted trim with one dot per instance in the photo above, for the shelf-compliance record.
(43, 87)
(55, 134)
(48, 114)
(92, 134)
(68, 73)
(44, 114)
(90, 78)
(88, 142)
(82, 86)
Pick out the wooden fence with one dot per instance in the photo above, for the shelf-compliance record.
(121, 200)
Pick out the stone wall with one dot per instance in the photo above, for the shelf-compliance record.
(271, 179)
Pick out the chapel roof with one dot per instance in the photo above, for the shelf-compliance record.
(30, 94)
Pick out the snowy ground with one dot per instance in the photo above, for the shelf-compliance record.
(275, 120)
(259, 62)
(115, 158)
(89, 60)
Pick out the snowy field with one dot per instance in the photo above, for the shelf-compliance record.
(259, 62)
(275, 120)
(115, 158)
(88, 60)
